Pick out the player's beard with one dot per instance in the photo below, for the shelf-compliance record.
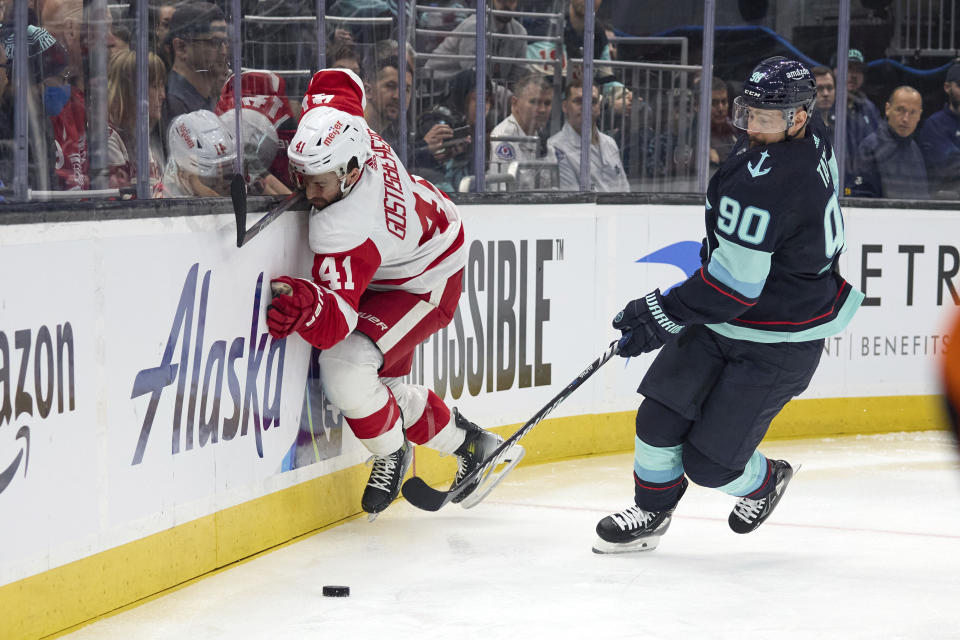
(321, 203)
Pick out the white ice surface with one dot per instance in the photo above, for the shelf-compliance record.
(865, 544)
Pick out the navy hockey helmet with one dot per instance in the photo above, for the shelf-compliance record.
(777, 83)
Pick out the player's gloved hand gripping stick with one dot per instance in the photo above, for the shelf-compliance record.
(420, 494)
(645, 325)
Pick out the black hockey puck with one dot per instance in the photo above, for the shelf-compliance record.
(336, 591)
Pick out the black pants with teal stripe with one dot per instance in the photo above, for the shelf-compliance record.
(716, 397)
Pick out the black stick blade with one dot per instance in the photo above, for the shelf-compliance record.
(423, 496)
(238, 193)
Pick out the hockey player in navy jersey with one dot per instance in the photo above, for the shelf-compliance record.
(744, 334)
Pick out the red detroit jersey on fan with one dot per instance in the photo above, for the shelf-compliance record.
(395, 231)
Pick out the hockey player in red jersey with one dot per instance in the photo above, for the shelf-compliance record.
(388, 264)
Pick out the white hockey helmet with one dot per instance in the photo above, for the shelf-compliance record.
(327, 140)
(260, 139)
(200, 144)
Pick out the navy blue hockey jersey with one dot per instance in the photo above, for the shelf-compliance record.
(775, 231)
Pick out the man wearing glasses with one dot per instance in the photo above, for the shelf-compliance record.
(198, 39)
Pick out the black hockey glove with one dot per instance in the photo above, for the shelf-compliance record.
(704, 251)
(645, 325)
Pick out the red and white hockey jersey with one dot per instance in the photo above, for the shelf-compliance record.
(393, 231)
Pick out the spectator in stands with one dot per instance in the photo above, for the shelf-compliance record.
(122, 117)
(573, 48)
(63, 19)
(162, 15)
(452, 160)
(201, 156)
(198, 38)
(383, 98)
(606, 168)
(62, 102)
(856, 75)
(723, 136)
(499, 47)
(890, 162)
(345, 56)
(390, 48)
(47, 93)
(826, 92)
(863, 118)
(529, 113)
(118, 36)
(940, 141)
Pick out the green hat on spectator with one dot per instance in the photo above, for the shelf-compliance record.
(46, 56)
(854, 58)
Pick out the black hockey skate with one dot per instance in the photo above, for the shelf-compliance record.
(385, 479)
(634, 529)
(478, 445)
(749, 514)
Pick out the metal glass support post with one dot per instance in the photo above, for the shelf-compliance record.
(96, 97)
(402, 75)
(706, 77)
(20, 133)
(479, 126)
(840, 106)
(235, 44)
(586, 104)
(321, 34)
(143, 102)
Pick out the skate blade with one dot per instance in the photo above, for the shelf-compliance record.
(640, 544)
(495, 476)
(372, 516)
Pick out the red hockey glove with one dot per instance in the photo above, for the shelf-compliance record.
(298, 308)
(645, 325)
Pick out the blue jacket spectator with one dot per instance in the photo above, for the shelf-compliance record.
(861, 122)
(890, 162)
(940, 139)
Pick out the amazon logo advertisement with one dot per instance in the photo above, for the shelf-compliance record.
(37, 379)
(210, 384)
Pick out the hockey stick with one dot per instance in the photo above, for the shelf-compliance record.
(420, 494)
(238, 193)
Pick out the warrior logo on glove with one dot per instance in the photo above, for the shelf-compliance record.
(645, 325)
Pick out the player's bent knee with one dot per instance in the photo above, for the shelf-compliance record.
(660, 426)
(348, 372)
(701, 470)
